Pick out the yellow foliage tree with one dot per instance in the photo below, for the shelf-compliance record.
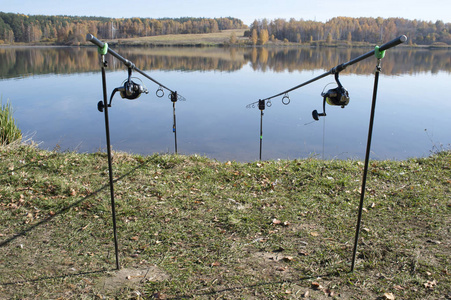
(254, 37)
(264, 36)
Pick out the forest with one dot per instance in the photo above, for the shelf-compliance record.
(19, 28)
(71, 30)
(370, 30)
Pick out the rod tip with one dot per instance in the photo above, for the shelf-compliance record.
(89, 37)
(403, 38)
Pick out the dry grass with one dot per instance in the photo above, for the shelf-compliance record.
(207, 39)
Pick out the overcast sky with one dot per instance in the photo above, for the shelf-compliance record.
(246, 10)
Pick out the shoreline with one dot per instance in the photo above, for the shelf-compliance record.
(218, 39)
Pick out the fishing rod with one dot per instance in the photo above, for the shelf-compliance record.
(126, 62)
(337, 69)
(130, 90)
(340, 97)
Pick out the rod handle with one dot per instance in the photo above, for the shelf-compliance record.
(399, 40)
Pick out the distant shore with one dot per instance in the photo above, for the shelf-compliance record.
(218, 39)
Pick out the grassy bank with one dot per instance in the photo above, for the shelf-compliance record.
(191, 227)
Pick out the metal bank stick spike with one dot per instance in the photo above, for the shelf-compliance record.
(108, 145)
(261, 107)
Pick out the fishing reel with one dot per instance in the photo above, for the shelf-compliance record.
(130, 90)
(338, 96)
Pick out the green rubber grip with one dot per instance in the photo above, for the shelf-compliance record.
(379, 54)
(103, 50)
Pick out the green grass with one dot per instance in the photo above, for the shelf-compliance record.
(262, 230)
(9, 132)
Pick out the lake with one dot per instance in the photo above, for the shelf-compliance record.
(54, 92)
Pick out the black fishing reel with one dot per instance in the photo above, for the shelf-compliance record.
(338, 96)
(130, 90)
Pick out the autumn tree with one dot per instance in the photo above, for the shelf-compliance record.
(254, 37)
(263, 37)
(329, 38)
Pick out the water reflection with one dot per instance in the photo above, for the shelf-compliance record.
(17, 62)
(218, 83)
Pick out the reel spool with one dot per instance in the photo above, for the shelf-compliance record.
(338, 96)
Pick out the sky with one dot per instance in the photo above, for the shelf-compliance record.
(246, 10)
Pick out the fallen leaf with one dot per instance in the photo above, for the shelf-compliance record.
(287, 258)
(216, 264)
(329, 292)
(430, 284)
(389, 296)
(314, 233)
(276, 222)
(434, 242)
(306, 294)
(158, 296)
(316, 286)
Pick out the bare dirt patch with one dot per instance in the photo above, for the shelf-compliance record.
(131, 278)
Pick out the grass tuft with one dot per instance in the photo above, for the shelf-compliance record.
(9, 132)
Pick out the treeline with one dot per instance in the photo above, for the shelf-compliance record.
(370, 30)
(19, 28)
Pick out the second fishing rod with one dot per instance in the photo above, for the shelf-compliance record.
(338, 96)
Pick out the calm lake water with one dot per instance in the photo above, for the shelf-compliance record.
(54, 92)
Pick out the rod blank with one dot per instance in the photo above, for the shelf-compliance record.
(126, 62)
(399, 40)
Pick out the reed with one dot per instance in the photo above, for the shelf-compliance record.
(9, 131)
